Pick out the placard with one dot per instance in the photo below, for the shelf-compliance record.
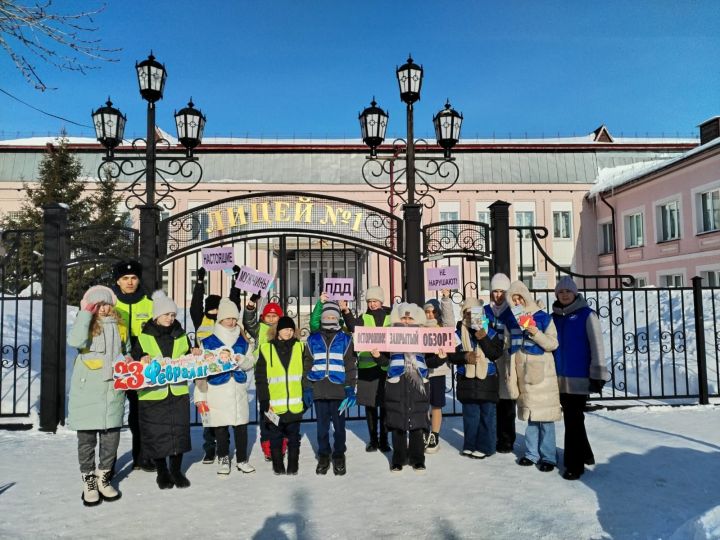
(132, 375)
(338, 288)
(253, 281)
(218, 258)
(443, 277)
(407, 339)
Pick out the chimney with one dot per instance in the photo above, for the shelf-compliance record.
(709, 130)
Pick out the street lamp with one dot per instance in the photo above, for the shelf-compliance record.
(414, 183)
(109, 125)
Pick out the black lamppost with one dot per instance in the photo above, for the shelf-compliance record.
(413, 184)
(148, 196)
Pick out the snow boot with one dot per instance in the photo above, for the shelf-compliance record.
(90, 495)
(293, 460)
(107, 492)
(223, 465)
(265, 445)
(323, 464)
(176, 475)
(163, 476)
(339, 465)
(277, 461)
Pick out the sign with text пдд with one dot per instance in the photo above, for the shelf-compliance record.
(408, 339)
(218, 258)
(443, 277)
(338, 288)
(253, 281)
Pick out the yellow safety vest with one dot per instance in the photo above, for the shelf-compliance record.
(206, 328)
(141, 312)
(365, 359)
(150, 347)
(285, 387)
(262, 338)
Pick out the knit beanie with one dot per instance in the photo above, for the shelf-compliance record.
(566, 282)
(212, 302)
(127, 268)
(285, 322)
(162, 304)
(97, 295)
(227, 310)
(499, 282)
(375, 293)
(330, 317)
(272, 307)
(470, 303)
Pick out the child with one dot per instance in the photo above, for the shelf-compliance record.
(477, 383)
(531, 344)
(260, 332)
(371, 377)
(164, 410)
(406, 393)
(329, 361)
(95, 408)
(225, 395)
(279, 383)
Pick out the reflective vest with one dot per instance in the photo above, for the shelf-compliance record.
(150, 347)
(365, 359)
(205, 329)
(262, 338)
(285, 387)
(133, 316)
(328, 361)
(397, 366)
(522, 341)
(239, 347)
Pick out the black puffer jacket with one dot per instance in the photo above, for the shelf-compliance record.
(474, 389)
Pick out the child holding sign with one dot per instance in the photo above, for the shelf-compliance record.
(532, 341)
(95, 408)
(164, 410)
(224, 396)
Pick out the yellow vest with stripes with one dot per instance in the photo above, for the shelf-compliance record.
(150, 347)
(262, 338)
(141, 313)
(285, 387)
(365, 359)
(206, 328)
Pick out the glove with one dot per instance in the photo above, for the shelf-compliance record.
(350, 399)
(90, 308)
(201, 274)
(596, 386)
(308, 398)
(236, 272)
(254, 298)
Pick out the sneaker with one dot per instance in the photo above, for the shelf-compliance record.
(433, 444)
(245, 467)
(544, 466)
(477, 454)
(466, 453)
(224, 465)
(524, 462)
(395, 467)
(209, 457)
(107, 492)
(90, 495)
(426, 438)
(419, 467)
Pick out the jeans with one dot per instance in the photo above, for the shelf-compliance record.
(241, 440)
(479, 425)
(87, 440)
(577, 446)
(540, 437)
(208, 439)
(326, 411)
(414, 453)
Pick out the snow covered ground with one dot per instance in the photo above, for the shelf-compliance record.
(655, 477)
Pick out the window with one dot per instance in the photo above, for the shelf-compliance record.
(525, 219)
(710, 210)
(671, 280)
(640, 281)
(634, 230)
(607, 240)
(450, 216)
(669, 221)
(561, 224)
(483, 216)
(710, 278)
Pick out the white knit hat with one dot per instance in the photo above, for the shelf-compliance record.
(375, 293)
(227, 310)
(162, 304)
(499, 282)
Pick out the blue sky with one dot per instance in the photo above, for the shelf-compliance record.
(306, 68)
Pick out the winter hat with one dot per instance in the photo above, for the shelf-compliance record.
(375, 293)
(212, 302)
(470, 303)
(285, 322)
(127, 268)
(519, 288)
(408, 310)
(434, 305)
(227, 310)
(499, 282)
(272, 307)
(162, 304)
(97, 295)
(330, 317)
(566, 282)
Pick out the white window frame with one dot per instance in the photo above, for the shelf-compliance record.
(641, 280)
(628, 218)
(659, 215)
(702, 271)
(601, 238)
(524, 208)
(449, 211)
(697, 209)
(484, 209)
(674, 273)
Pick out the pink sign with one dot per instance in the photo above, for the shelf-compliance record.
(338, 288)
(218, 258)
(253, 281)
(443, 277)
(409, 339)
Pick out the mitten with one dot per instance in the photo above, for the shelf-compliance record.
(90, 308)
(596, 386)
(236, 273)
(350, 399)
(307, 397)
(201, 274)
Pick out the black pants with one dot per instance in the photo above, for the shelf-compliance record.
(505, 423)
(577, 446)
(222, 436)
(134, 425)
(375, 417)
(289, 431)
(413, 453)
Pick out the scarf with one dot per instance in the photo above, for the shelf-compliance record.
(469, 344)
(227, 335)
(410, 370)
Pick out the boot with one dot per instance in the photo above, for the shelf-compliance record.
(339, 465)
(163, 476)
(90, 495)
(323, 464)
(277, 461)
(176, 475)
(107, 492)
(293, 460)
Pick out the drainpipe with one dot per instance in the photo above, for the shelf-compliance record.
(614, 234)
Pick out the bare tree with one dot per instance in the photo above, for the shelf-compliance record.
(63, 40)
